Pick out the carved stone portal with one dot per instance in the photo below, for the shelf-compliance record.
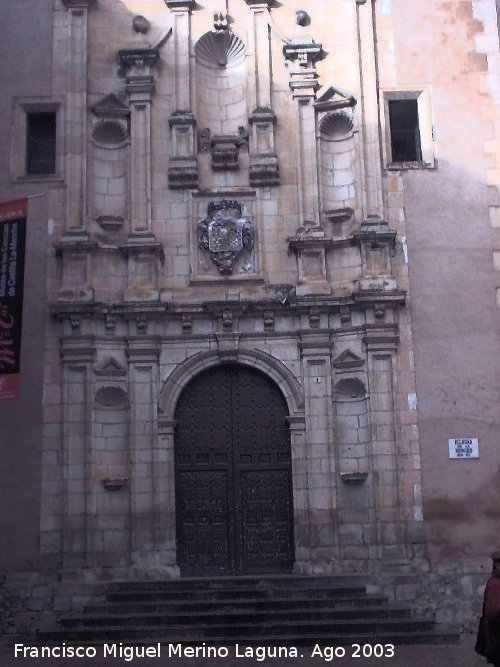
(224, 233)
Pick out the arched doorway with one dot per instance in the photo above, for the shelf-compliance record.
(233, 475)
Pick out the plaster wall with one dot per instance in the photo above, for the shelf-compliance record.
(452, 280)
(26, 57)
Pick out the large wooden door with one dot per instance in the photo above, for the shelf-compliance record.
(233, 475)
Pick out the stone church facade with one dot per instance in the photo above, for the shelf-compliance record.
(230, 372)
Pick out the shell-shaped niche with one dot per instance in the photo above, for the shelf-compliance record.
(350, 388)
(219, 49)
(336, 126)
(111, 397)
(336, 130)
(352, 426)
(109, 133)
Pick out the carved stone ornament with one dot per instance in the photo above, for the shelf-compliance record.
(224, 233)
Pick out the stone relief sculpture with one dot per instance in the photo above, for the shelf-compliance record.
(225, 234)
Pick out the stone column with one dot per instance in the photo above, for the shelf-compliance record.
(372, 169)
(315, 351)
(183, 166)
(76, 434)
(76, 118)
(264, 169)
(164, 471)
(381, 347)
(143, 354)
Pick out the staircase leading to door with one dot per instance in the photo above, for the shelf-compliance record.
(279, 610)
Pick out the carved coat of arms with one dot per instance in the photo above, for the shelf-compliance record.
(224, 233)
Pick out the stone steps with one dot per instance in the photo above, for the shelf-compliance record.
(240, 604)
(233, 615)
(294, 610)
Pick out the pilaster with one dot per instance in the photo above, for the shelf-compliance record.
(315, 350)
(143, 355)
(264, 168)
(311, 242)
(304, 85)
(76, 118)
(140, 86)
(372, 170)
(77, 358)
(183, 165)
(381, 348)
(164, 490)
(142, 248)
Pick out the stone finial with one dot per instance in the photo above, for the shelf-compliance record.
(140, 24)
(302, 18)
(221, 21)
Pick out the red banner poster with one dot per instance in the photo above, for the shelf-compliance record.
(12, 247)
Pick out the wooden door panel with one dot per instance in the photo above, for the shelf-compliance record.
(233, 475)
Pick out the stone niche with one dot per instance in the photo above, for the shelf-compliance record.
(337, 161)
(352, 426)
(110, 157)
(224, 238)
(110, 468)
(221, 109)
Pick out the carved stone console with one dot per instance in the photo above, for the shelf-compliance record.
(224, 148)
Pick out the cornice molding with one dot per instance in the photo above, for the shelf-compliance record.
(260, 4)
(78, 4)
(186, 5)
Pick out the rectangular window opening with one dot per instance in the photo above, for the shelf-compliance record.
(41, 143)
(405, 132)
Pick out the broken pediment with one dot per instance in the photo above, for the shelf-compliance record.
(348, 360)
(110, 106)
(333, 99)
(110, 368)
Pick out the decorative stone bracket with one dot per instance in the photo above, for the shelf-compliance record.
(224, 148)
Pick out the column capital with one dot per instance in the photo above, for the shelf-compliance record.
(181, 5)
(78, 4)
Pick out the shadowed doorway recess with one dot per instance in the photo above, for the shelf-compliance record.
(233, 475)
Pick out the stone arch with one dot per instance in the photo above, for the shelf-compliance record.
(270, 366)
